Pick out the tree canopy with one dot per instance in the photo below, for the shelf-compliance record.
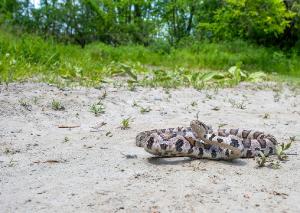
(268, 22)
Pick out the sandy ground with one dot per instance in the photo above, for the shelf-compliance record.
(94, 168)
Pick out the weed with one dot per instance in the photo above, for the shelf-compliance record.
(57, 106)
(238, 105)
(131, 87)
(125, 123)
(66, 139)
(280, 150)
(7, 151)
(241, 105)
(25, 104)
(292, 138)
(261, 159)
(145, 110)
(216, 108)
(266, 116)
(97, 109)
(35, 100)
(30, 56)
(103, 96)
(221, 125)
(134, 104)
(276, 97)
(194, 103)
(12, 163)
(275, 164)
(208, 96)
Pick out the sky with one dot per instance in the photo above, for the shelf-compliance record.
(35, 2)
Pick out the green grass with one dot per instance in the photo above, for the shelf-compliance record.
(28, 56)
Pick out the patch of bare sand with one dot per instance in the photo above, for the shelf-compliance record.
(98, 168)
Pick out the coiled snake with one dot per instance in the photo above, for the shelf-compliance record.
(200, 141)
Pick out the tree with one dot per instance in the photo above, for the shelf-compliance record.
(258, 20)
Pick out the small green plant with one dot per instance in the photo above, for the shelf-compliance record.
(145, 109)
(194, 103)
(35, 100)
(275, 164)
(292, 139)
(238, 105)
(25, 104)
(134, 104)
(7, 151)
(125, 123)
(280, 150)
(208, 96)
(216, 108)
(97, 109)
(132, 87)
(103, 96)
(261, 159)
(241, 105)
(221, 125)
(266, 116)
(57, 106)
(276, 97)
(66, 139)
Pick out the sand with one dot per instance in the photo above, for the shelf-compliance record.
(96, 167)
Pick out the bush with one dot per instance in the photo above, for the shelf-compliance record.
(258, 20)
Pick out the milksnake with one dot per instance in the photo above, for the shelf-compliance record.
(201, 141)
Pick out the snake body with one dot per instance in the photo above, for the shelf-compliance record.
(200, 141)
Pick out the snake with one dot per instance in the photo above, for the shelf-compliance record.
(199, 140)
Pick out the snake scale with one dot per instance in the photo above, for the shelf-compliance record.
(201, 141)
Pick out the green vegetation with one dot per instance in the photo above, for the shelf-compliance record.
(153, 43)
(125, 123)
(24, 103)
(97, 109)
(281, 154)
(30, 56)
(57, 106)
(280, 151)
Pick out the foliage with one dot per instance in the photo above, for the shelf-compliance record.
(125, 123)
(30, 56)
(57, 106)
(97, 109)
(145, 22)
(263, 160)
(200, 79)
(260, 20)
(280, 150)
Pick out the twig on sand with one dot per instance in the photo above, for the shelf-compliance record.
(49, 161)
(291, 153)
(68, 126)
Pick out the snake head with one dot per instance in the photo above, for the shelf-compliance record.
(140, 139)
(200, 128)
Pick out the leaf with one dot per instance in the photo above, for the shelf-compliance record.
(257, 77)
(232, 70)
(288, 146)
(208, 76)
(261, 159)
(131, 74)
(195, 76)
(278, 150)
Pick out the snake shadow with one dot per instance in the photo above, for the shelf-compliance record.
(169, 160)
(184, 160)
